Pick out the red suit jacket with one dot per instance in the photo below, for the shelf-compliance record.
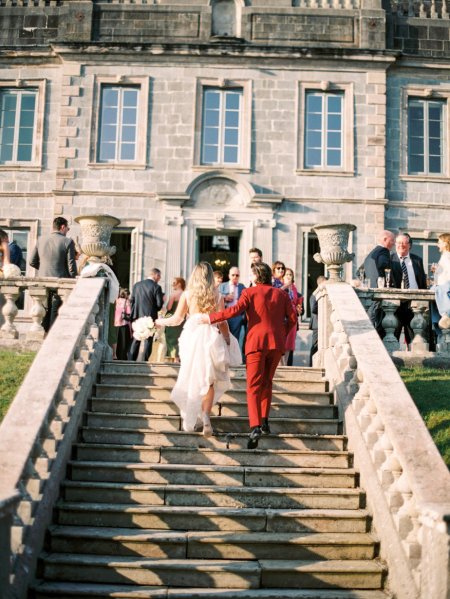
(270, 317)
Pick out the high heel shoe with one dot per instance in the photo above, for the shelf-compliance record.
(207, 428)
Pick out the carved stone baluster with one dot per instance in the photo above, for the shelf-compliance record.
(390, 323)
(422, 11)
(433, 11)
(39, 296)
(443, 345)
(444, 12)
(419, 344)
(410, 8)
(9, 311)
(407, 520)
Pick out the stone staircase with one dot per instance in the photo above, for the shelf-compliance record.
(148, 511)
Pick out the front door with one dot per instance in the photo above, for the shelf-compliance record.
(122, 258)
(220, 249)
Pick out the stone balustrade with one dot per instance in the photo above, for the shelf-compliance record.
(37, 289)
(37, 432)
(406, 481)
(420, 305)
(424, 9)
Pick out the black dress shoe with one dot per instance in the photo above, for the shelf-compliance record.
(253, 438)
(265, 428)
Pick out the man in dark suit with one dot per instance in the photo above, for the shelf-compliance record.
(146, 300)
(378, 260)
(54, 256)
(407, 273)
(231, 292)
(314, 322)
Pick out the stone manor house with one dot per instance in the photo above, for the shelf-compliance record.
(212, 126)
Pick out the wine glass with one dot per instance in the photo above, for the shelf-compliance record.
(387, 276)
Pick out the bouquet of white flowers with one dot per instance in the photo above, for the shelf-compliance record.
(11, 271)
(143, 328)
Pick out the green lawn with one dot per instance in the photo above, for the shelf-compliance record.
(430, 390)
(13, 368)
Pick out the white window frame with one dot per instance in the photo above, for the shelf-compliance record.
(243, 165)
(347, 165)
(39, 86)
(425, 93)
(140, 161)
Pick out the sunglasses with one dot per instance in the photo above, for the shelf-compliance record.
(280, 268)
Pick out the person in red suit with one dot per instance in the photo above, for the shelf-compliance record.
(270, 317)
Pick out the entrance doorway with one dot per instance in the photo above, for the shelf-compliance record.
(122, 257)
(220, 249)
(311, 267)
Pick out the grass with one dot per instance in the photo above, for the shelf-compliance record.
(430, 390)
(13, 368)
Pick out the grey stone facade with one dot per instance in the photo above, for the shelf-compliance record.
(276, 51)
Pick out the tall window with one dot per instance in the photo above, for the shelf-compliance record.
(118, 124)
(221, 124)
(323, 130)
(425, 136)
(17, 125)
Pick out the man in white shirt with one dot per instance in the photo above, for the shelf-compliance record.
(407, 273)
(231, 292)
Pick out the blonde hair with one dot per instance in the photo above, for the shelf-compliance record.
(201, 288)
(445, 237)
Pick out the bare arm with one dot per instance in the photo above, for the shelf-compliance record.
(178, 317)
(223, 326)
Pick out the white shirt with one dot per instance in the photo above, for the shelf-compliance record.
(233, 289)
(442, 274)
(411, 275)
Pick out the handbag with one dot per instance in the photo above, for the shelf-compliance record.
(126, 316)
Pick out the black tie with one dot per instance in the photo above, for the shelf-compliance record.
(404, 273)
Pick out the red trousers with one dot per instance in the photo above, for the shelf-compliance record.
(261, 366)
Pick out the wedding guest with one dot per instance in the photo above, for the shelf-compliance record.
(16, 255)
(173, 333)
(146, 300)
(4, 248)
(54, 256)
(231, 292)
(255, 255)
(278, 270)
(440, 314)
(204, 371)
(376, 262)
(218, 278)
(297, 303)
(122, 316)
(314, 322)
(270, 317)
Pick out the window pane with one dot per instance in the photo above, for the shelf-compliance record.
(313, 158)
(232, 100)
(334, 122)
(334, 104)
(6, 151)
(24, 153)
(211, 136)
(314, 121)
(27, 118)
(314, 139)
(129, 134)
(108, 133)
(231, 118)
(333, 158)
(28, 102)
(127, 151)
(210, 154)
(434, 147)
(107, 152)
(416, 164)
(334, 140)
(435, 164)
(231, 137)
(109, 96)
(212, 99)
(211, 118)
(313, 103)
(109, 116)
(129, 116)
(230, 155)
(26, 136)
(130, 97)
(8, 136)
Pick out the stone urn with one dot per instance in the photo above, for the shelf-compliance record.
(333, 240)
(96, 236)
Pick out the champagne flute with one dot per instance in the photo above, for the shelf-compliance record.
(387, 276)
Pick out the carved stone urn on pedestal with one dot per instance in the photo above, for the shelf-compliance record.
(96, 236)
(333, 240)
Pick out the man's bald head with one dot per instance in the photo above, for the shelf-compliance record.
(386, 239)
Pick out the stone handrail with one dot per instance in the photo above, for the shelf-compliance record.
(420, 305)
(38, 430)
(406, 481)
(423, 9)
(37, 289)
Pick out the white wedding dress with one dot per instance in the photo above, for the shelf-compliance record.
(204, 361)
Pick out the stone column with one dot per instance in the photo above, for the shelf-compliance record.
(173, 223)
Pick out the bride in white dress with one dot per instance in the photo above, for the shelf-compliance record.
(204, 355)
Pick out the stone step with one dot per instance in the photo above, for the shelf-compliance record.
(223, 408)
(127, 436)
(238, 372)
(307, 384)
(300, 392)
(209, 545)
(70, 590)
(212, 518)
(221, 424)
(211, 496)
(230, 574)
(224, 457)
(183, 474)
